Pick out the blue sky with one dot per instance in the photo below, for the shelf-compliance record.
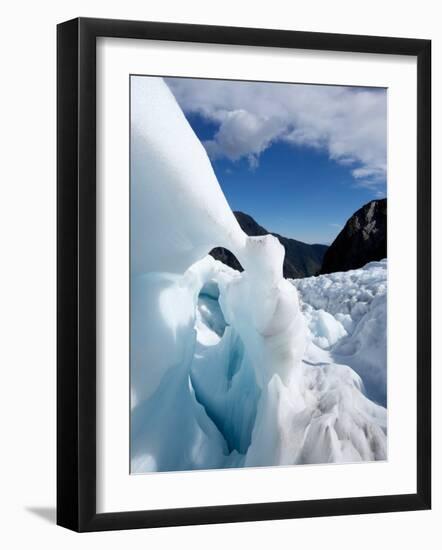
(300, 159)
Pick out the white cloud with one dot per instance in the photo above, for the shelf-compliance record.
(243, 134)
(348, 123)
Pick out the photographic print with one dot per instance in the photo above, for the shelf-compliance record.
(258, 274)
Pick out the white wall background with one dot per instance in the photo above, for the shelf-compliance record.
(27, 273)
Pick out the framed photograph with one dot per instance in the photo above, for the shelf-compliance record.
(238, 338)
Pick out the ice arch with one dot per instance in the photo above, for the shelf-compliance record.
(179, 214)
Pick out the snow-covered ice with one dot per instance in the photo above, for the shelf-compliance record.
(234, 369)
(347, 316)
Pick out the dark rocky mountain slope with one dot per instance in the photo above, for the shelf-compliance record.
(301, 259)
(363, 239)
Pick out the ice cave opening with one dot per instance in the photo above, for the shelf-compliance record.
(220, 375)
(209, 323)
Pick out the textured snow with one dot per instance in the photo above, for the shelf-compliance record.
(347, 316)
(231, 369)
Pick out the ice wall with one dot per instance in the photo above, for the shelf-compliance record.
(178, 210)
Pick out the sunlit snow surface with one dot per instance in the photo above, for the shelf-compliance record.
(347, 316)
(234, 369)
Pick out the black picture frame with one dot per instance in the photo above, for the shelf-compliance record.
(76, 273)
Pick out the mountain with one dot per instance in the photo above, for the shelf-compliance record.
(363, 239)
(301, 259)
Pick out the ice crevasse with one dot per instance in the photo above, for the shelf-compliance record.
(219, 375)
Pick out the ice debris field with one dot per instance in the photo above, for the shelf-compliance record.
(233, 369)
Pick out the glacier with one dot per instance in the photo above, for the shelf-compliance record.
(233, 369)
